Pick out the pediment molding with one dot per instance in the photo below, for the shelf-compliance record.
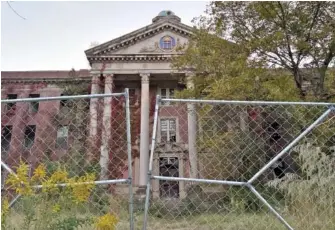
(134, 58)
(138, 36)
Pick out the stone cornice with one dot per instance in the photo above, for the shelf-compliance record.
(139, 35)
(133, 58)
(50, 80)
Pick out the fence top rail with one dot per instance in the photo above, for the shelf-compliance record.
(89, 96)
(248, 102)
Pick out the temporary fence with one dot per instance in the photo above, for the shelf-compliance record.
(218, 164)
(66, 162)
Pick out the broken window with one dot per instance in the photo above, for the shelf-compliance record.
(6, 136)
(11, 105)
(62, 137)
(29, 136)
(168, 130)
(34, 104)
(166, 93)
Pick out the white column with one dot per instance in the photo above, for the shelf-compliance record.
(192, 133)
(95, 89)
(144, 139)
(182, 192)
(155, 183)
(106, 128)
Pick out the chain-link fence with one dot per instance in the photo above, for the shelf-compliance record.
(240, 165)
(66, 162)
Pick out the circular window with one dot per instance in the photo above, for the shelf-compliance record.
(167, 43)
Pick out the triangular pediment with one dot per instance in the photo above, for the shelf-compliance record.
(144, 41)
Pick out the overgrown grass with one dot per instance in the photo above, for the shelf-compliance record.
(201, 221)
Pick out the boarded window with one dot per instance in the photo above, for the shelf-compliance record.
(6, 136)
(29, 136)
(62, 137)
(168, 130)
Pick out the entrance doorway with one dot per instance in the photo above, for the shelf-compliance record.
(169, 167)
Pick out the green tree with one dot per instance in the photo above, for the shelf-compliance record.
(296, 38)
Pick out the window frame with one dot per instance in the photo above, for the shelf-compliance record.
(66, 138)
(26, 137)
(168, 136)
(4, 138)
(12, 105)
(34, 103)
(167, 96)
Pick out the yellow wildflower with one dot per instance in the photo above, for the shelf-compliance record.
(4, 210)
(60, 176)
(106, 222)
(81, 192)
(20, 182)
(39, 173)
(56, 208)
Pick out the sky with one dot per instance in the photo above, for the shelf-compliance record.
(54, 35)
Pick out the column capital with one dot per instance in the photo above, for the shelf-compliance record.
(108, 75)
(145, 77)
(95, 78)
(95, 75)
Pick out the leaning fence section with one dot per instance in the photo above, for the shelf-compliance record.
(241, 165)
(66, 162)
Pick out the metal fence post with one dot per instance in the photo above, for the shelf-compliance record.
(130, 171)
(153, 143)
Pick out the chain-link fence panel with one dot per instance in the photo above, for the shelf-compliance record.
(241, 165)
(66, 162)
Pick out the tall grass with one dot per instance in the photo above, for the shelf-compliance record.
(310, 196)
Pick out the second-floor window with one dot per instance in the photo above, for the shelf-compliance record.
(168, 130)
(11, 105)
(29, 136)
(166, 93)
(62, 137)
(34, 105)
(6, 136)
(63, 102)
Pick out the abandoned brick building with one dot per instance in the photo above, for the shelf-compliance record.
(140, 61)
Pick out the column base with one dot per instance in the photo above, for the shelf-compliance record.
(141, 192)
(139, 198)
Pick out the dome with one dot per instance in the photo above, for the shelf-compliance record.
(165, 13)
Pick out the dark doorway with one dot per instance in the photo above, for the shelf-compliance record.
(169, 167)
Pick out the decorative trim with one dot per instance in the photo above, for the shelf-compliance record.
(133, 58)
(145, 78)
(32, 81)
(139, 37)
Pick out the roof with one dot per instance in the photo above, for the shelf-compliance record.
(44, 74)
(165, 21)
(166, 13)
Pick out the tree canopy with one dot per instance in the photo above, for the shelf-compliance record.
(263, 50)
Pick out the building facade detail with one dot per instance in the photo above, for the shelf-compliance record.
(140, 61)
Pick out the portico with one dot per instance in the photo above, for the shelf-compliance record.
(141, 61)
